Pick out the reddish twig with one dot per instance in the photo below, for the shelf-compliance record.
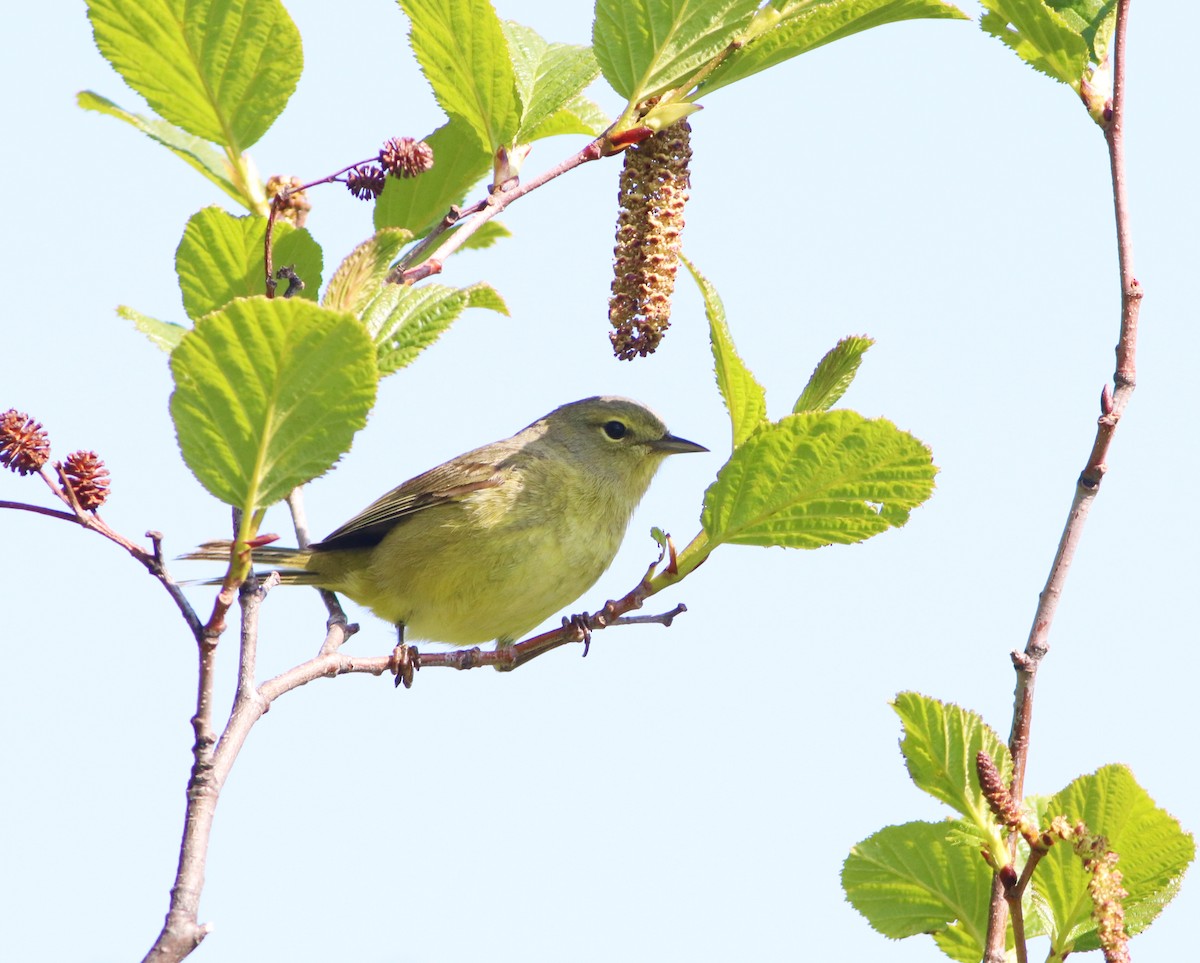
(152, 560)
(416, 266)
(1113, 405)
(41, 510)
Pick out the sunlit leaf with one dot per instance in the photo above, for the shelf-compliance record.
(818, 478)
(222, 70)
(268, 395)
(221, 258)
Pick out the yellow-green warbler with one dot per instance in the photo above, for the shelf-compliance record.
(492, 542)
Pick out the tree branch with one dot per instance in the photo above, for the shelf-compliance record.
(1113, 405)
(416, 266)
(151, 560)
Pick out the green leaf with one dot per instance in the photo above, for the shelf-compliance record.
(418, 203)
(403, 321)
(198, 153)
(1094, 20)
(646, 47)
(833, 375)
(359, 277)
(1154, 853)
(464, 56)
(1039, 36)
(805, 26)
(577, 116)
(940, 743)
(911, 879)
(220, 69)
(488, 234)
(817, 478)
(744, 397)
(268, 395)
(548, 76)
(221, 258)
(162, 334)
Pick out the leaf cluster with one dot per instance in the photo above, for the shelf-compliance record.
(936, 878)
(814, 477)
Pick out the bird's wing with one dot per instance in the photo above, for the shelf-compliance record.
(451, 482)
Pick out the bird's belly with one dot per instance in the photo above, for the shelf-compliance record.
(483, 588)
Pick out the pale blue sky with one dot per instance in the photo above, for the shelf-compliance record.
(681, 794)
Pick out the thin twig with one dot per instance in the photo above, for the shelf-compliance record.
(41, 510)
(1088, 484)
(268, 239)
(578, 628)
(338, 627)
(484, 211)
(151, 560)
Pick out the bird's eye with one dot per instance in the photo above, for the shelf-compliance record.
(615, 429)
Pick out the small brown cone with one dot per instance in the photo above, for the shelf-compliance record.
(88, 478)
(406, 157)
(24, 444)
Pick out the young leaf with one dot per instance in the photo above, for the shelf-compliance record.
(832, 375)
(645, 47)
(358, 278)
(744, 397)
(220, 69)
(416, 204)
(162, 334)
(1154, 852)
(548, 76)
(488, 234)
(817, 478)
(404, 321)
(1094, 20)
(940, 744)
(1039, 36)
(221, 258)
(910, 879)
(198, 153)
(268, 395)
(805, 26)
(577, 116)
(464, 56)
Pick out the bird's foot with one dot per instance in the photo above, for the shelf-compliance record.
(405, 661)
(581, 624)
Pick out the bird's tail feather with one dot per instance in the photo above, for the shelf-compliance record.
(288, 562)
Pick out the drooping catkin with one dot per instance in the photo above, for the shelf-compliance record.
(654, 189)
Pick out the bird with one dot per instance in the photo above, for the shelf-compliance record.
(490, 543)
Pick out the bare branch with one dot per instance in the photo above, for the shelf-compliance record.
(410, 270)
(1088, 484)
(40, 510)
(152, 560)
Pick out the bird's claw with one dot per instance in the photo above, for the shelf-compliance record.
(404, 662)
(581, 624)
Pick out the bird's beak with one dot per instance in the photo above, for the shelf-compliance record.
(670, 445)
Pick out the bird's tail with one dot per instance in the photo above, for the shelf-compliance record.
(288, 562)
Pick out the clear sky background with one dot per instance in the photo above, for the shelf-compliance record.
(682, 794)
